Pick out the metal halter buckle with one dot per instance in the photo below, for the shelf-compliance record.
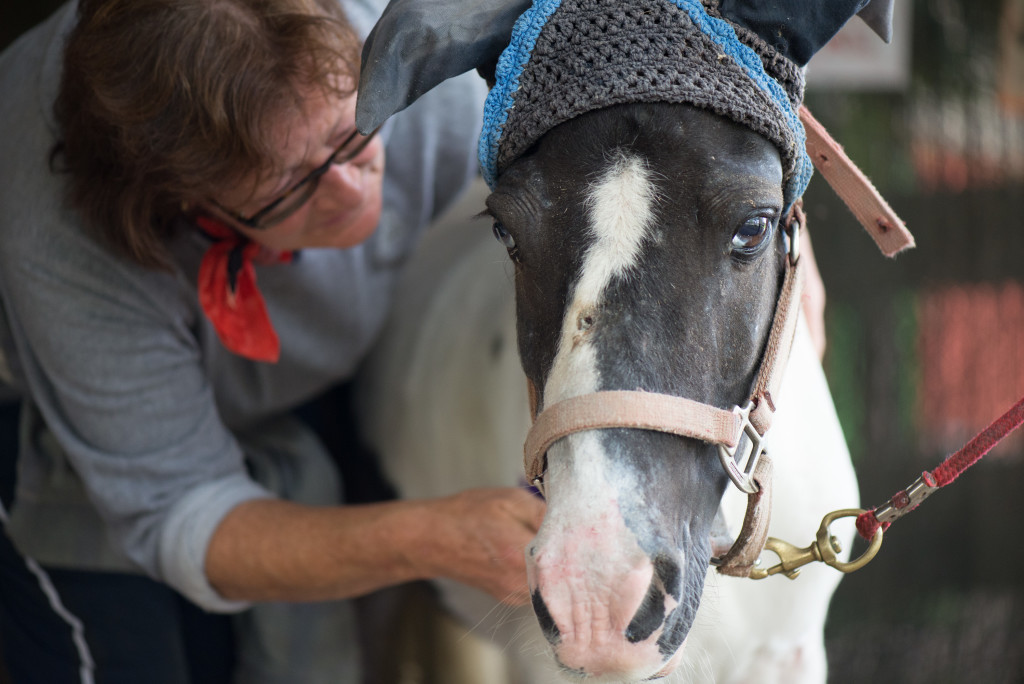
(538, 484)
(792, 240)
(741, 472)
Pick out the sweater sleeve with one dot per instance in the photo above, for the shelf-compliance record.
(110, 359)
(106, 354)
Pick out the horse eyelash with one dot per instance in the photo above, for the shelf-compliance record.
(513, 253)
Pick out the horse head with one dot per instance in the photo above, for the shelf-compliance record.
(644, 159)
(647, 256)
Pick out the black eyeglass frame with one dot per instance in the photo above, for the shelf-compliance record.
(311, 182)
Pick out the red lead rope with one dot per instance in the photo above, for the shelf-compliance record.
(908, 499)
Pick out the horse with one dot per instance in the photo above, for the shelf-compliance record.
(647, 245)
(674, 310)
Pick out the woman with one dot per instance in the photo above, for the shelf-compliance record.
(195, 243)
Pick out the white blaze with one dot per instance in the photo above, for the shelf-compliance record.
(620, 211)
(586, 562)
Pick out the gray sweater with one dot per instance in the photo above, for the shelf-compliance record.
(140, 430)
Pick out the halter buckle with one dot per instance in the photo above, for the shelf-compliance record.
(538, 485)
(741, 471)
(791, 237)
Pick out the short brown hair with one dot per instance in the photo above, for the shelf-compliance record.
(164, 101)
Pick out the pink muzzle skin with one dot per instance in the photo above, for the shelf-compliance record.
(594, 581)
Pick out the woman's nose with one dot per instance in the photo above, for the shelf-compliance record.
(369, 153)
(348, 178)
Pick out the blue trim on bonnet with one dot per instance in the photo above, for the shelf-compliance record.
(524, 37)
(510, 67)
(724, 36)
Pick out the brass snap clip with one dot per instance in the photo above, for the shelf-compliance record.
(825, 548)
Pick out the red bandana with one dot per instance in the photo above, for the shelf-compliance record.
(229, 295)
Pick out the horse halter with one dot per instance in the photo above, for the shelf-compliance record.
(682, 416)
(689, 418)
(637, 409)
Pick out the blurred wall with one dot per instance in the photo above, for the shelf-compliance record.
(925, 350)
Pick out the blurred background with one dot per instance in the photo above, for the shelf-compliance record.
(927, 349)
(924, 350)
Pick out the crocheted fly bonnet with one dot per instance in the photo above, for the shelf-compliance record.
(562, 58)
(568, 57)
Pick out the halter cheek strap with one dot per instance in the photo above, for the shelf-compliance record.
(744, 553)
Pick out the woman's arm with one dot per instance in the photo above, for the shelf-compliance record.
(275, 550)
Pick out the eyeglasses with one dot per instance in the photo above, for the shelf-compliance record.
(293, 198)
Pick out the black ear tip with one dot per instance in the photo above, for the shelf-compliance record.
(369, 113)
(877, 14)
(378, 96)
(417, 44)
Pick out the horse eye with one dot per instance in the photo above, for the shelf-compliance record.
(751, 234)
(503, 236)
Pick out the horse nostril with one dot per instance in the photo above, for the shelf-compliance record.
(649, 615)
(547, 623)
(667, 570)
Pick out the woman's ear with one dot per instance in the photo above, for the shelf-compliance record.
(417, 44)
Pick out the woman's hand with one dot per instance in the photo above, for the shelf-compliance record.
(479, 537)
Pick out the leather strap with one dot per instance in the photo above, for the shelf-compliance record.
(853, 187)
(531, 395)
(780, 337)
(626, 409)
(742, 557)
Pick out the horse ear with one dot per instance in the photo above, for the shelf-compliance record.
(878, 15)
(799, 28)
(417, 44)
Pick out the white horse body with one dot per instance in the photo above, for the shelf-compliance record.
(443, 402)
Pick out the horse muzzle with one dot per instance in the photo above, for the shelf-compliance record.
(608, 609)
